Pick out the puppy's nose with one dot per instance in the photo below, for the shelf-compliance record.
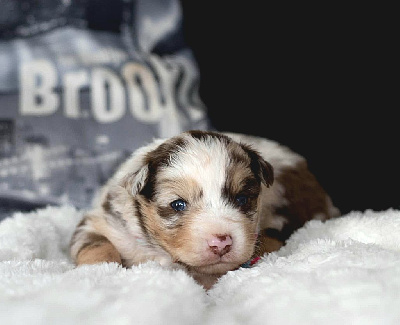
(220, 244)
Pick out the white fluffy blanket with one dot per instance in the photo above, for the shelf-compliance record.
(344, 271)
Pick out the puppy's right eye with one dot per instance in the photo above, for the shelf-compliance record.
(241, 199)
(178, 205)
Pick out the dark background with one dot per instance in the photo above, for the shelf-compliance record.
(320, 80)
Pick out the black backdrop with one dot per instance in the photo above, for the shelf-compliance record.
(320, 80)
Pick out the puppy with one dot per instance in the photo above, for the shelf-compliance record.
(206, 202)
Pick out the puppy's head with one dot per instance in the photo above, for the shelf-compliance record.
(196, 196)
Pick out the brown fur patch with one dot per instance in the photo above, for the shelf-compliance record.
(187, 188)
(159, 157)
(98, 249)
(241, 180)
(140, 206)
(152, 225)
(305, 196)
(244, 158)
(110, 207)
(266, 244)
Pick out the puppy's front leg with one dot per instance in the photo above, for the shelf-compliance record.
(89, 246)
(267, 244)
(98, 249)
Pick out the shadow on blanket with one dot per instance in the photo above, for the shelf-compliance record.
(343, 271)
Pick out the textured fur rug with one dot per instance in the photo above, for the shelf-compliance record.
(343, 271)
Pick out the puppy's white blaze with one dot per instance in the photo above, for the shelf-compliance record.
(206, 162)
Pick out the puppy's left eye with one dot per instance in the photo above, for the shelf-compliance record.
(241, 199)
(178, 205)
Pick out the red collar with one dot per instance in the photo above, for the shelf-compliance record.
(251, 262)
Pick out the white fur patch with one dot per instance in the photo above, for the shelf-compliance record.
(204, 162)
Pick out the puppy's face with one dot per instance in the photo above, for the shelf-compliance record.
(196, 197)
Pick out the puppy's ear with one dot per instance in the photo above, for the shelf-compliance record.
(259, 166)
(266, 172)
(135, 171)
(137, 180)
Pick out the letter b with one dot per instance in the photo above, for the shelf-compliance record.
(38, 79)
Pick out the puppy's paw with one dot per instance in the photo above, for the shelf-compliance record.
(167, 262)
